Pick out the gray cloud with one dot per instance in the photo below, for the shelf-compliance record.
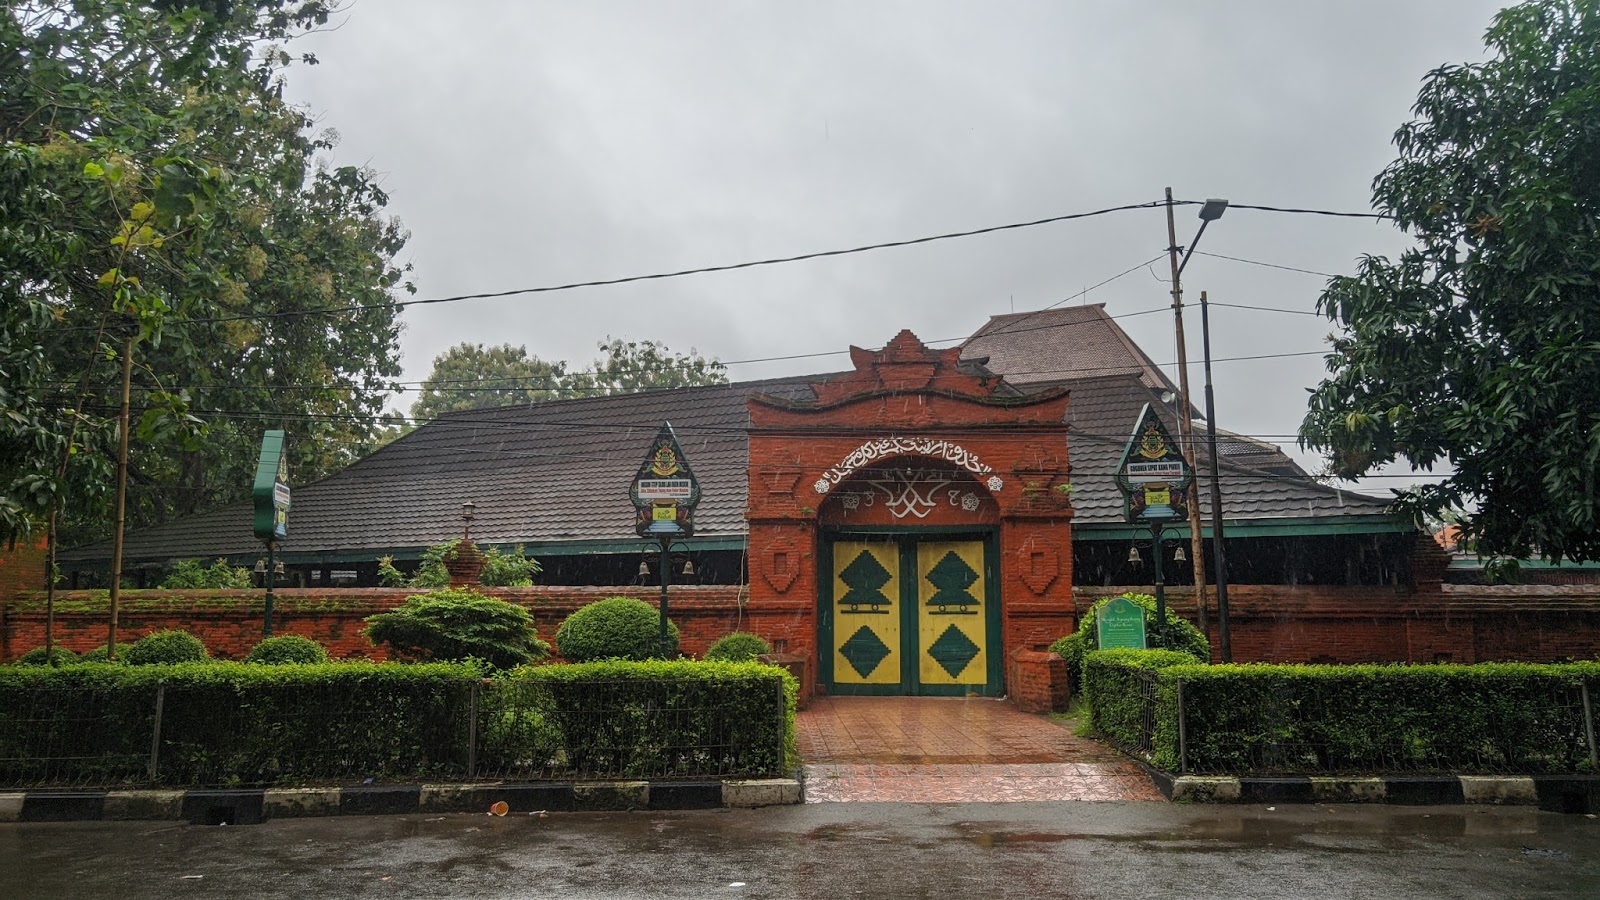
(534, 143)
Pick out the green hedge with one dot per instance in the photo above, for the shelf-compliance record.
(1113, 690)
(1492, 717)
(237, 724)
(232, 723)
(643, 719)
(615, 628)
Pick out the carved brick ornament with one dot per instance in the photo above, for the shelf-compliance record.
(780, 564)
(1038, 563)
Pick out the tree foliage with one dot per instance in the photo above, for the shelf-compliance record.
(1477, 348)
(472, 376)
(155, 184)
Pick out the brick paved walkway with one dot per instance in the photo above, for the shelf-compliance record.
(954, 750)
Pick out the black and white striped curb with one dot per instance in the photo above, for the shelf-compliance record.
(1555, 793)
(252, 806)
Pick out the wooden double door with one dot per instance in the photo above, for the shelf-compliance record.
(910, 613)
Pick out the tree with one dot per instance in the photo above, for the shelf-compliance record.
(1476, 348)
(630, 366)
(472, 376)
(157, 187)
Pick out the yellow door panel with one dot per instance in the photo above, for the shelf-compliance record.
(866, 613)
(951, 619)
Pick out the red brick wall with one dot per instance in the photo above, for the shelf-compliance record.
(22, 568)
(1455, 623)
(1037, 681)
(229, 622)
(1459, 623)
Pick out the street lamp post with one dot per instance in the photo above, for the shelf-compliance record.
(1210, 211)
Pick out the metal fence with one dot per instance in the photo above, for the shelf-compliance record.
(197, 735)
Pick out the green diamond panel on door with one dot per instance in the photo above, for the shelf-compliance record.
(952, 629)
(866, 614)
(913, 616)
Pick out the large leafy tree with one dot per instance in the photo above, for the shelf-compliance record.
(1478, 348)
(625, 367)
(153, 184)
(472, 376)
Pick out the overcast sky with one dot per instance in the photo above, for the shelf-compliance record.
(532, 143)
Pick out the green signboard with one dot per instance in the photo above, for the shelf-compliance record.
(665, 491)
(270, 492)
(1119, 625)
(1153, 474)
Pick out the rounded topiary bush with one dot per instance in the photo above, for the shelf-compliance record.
(287, 649)
(36, 657)
(740, 646)
(458, 624)
(165, 648)
(98, 654)
(1180, 636)
(614, 628)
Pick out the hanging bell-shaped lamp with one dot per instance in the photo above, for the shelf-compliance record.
(1133, 556)
(1180, 556)
(688, 567)
(644, 568)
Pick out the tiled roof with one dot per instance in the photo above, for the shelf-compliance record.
(1064, 344)
(1100, 415)
(550, 472)
(558, 471)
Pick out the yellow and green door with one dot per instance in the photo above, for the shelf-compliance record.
(910, 614)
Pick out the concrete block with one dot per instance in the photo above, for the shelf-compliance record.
(295, 803)
(761, 792)
(380, 800)
(11, 806)
(611, 795)
(685, 794)
(1509, 790)
(1348, 790)
(144, 805)
(1206, 789)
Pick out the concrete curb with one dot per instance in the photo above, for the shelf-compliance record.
(253, 806)
(1553, 793)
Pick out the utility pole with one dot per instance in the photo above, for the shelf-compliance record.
(122, 488)
(1186, 424)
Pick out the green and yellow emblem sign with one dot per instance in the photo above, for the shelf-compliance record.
(665, 491)
(1152, 474)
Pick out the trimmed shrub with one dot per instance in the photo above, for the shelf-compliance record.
(1490, 717)
(1113, 688)
(644, 719)
(1180, 636)
(615, 628)
(287, 649)
(233, 724)
(740, 646)
(229, 723)
(37, 657)
(99, 655)
(458, 625)
(165, 648)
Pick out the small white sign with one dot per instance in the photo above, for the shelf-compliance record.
(1165, 470)
(664, 488)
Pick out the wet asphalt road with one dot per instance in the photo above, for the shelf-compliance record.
(839, 850)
